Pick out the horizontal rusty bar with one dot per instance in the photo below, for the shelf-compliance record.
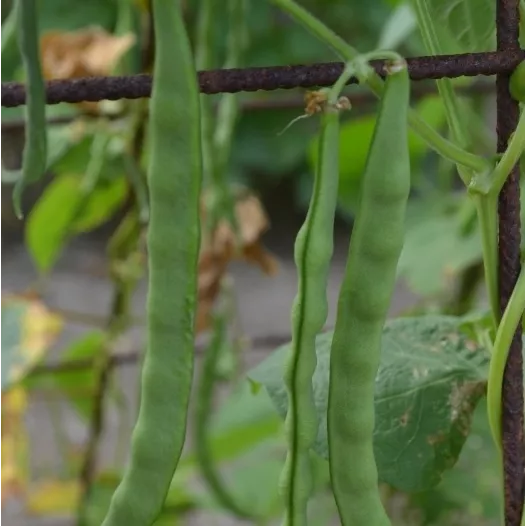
(262, 78)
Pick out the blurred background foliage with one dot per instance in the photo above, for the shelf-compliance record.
(96, 161)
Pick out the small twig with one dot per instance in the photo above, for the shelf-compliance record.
(91, 320)
(102, 365)
(258, 344)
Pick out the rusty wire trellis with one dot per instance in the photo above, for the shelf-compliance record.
(94, 89)
(500, 63)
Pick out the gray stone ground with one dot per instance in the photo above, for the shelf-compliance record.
(78, 284)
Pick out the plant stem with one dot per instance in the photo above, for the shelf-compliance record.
(507, 327)
(438, 143)
(445, 86)
(204, 60)
(492, 182)
(116, 324)
(227, 115)
(487, 218)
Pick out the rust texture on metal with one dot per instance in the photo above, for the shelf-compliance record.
(509, 269)
(262, 78)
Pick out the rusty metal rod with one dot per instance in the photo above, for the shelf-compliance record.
(262, 78)
(358, 100)
(509, 269)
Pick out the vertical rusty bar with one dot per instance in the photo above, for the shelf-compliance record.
(509, 268)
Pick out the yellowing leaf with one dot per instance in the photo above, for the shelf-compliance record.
(28, 331)
(54, 497)
(14, 444)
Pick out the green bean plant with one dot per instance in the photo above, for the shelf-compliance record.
(369, 410)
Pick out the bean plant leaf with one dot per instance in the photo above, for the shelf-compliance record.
(469, 23)
(54, 497)
(399, 26)
(75, 14)
(430, 379)
(28, 330)
(243, 422)
(437, 248)
(78, 385)
(57, 215)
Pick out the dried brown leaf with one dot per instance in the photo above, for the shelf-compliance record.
(87, 52)
(220, 249)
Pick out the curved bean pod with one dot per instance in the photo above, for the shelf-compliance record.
(365, 295)
(312, 254)
(174, 181)
(35, 150)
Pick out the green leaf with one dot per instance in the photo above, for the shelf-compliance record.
(77, 158)
(10, 51)
(49, 221)
(430, 379)
(12, 322)
(80, 385)
(55, 216)
(253, 484)
(471, 489)
(469, 23)
(435, 249)
(103, 202)
(258, 145)
(399, 26)
(72, 15)
(242, 422)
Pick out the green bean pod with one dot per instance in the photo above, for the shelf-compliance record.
(174, 182)
(312, 254)
(35, 150)
(365, 295)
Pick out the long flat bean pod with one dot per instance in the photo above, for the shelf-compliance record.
(174, 181)
(35, 149)
(365, 294)
(312, 254)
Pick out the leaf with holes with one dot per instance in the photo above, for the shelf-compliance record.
(430, 380)
(469, 23)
